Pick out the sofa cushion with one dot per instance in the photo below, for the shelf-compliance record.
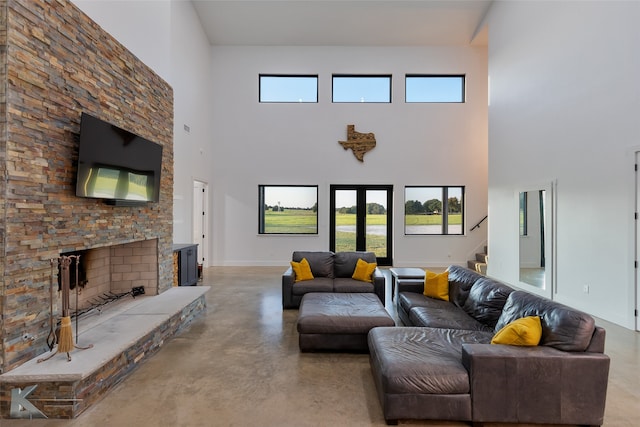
(486, 300)
(446, 316)
(302, 270)
(436, 285)
(408, 300)
(364, 270)
(562, 327)
(318, 284)
(345, 262)
(344, 284)
(461, 280)
(321, 262)
(525, 331)
(416, 360)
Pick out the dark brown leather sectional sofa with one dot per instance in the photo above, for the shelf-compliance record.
(441, 366)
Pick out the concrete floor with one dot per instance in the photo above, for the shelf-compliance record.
(239, 365)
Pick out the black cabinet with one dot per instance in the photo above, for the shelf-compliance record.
(187, 264)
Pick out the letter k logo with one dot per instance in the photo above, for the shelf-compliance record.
(21, 407)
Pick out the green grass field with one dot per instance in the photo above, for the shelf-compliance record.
(346, 241)
(291, 222)
(454, 219)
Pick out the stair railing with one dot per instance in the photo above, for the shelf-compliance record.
(480, 222)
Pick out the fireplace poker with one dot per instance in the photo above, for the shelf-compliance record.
(51, 338)
(77, 257)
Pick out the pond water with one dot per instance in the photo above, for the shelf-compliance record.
(381, 230)
(377, 230)
(431, 229)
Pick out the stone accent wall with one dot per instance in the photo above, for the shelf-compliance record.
(55, 64)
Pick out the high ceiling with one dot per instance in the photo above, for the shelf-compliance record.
(343, 23)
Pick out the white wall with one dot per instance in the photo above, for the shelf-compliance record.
(235, 143)
(285, 144)
(564, 105)
(191, 79)
(144, 27)
(167, 36)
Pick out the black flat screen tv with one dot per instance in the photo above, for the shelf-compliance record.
(117, 165)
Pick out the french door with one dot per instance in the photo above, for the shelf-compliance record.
(361, 219)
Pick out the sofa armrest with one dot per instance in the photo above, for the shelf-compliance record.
(288, 279)
(536, 384)
(379, 284)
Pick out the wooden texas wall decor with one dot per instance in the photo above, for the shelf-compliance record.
(360, 143)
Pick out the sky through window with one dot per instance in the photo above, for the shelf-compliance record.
(434, 88)
(288, 88)
(361, 88)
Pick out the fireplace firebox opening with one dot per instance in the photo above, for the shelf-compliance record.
(107, 274)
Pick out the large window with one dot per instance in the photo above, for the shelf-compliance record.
(285, 88)
(288, 209)
(434, 88)
(368, 88)
(434, 210)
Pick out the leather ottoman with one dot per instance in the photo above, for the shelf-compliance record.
(339, 321)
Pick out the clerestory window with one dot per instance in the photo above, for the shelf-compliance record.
(288, 88)
(434, 88)
(361, 88)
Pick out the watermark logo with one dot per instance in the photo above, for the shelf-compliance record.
(21, 407)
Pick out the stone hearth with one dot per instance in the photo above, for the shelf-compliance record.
(124, 337)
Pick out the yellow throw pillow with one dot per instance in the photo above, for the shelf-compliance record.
(436, 285)
(526, 331)
(302, 270)
(364, 270)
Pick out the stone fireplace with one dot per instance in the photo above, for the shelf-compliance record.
(55, 64)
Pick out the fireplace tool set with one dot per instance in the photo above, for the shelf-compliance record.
(61, 333)
(65, 336)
